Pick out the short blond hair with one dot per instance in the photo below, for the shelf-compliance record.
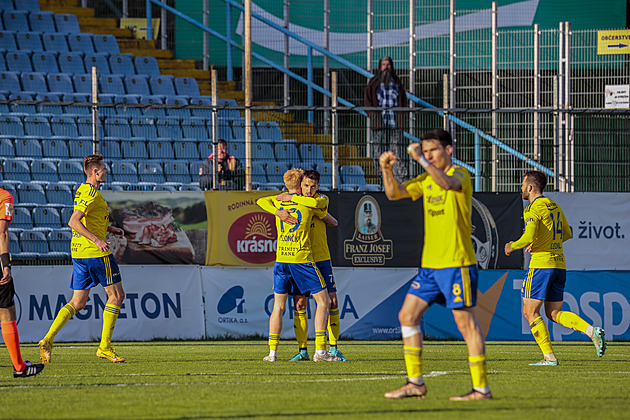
(91, 161)
(293, 178)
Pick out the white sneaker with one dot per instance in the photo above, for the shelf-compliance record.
(270, 358)
(326, 357)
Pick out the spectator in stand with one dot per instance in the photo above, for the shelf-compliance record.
(229, 170)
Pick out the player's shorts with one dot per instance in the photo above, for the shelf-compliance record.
(297, 278)
(7, 292)
(89, 272)
(545, 284)
(451, 287)
(325, 267)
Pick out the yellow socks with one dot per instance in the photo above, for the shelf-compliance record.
(479, 374)
(541, 334)
(62, 317)
(571, 320)
(320, 340)
(110, 315)
(300, 325)
(333, 327)
(273, 341)
(413, 362)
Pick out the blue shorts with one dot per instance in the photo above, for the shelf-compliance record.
(451, 287)
(89, 272)
(325, 268)
(297, 277)
(545, 284)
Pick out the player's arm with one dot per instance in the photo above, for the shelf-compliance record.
(4, 252)
(567, 232)
(448, 182)
(312, 202)
(393, 190)
(268, 204)
(531, 229)
(330, 220)
(75, 223)
(116, 230)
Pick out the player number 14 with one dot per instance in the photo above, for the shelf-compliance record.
(557, 225)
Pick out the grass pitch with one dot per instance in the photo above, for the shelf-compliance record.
(228, 379)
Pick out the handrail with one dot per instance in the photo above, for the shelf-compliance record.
(311, 85)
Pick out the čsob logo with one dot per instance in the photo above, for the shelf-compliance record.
(232, 299)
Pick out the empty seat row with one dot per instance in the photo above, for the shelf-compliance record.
(52, 242)
(29, 5)
(37, 42)
(60, 83)
(58, 193)
(38, 21)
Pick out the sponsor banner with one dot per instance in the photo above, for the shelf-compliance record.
(239, 301)
(160, 302)
(601, 230)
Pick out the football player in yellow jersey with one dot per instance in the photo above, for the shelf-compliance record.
(311, 198)
(295, 268)
(546, 228)
(448, 273)
(92, 261)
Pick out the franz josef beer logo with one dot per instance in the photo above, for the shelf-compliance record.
(252, 238)
(367, 246)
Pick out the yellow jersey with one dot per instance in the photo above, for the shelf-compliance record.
(319, 241)
(89, 200)
(294, 241)
(447, 224)
(546, 228)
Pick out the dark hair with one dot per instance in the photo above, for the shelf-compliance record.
(443, 136)
(537, 179)
(91, 161)
(223, 142)
(311, 174)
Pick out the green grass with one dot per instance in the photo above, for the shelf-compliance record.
(227, 379)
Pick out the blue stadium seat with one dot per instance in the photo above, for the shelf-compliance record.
(71, 63)
(34, 82)
(28, 148)
(59, 240)
(312, 155)
(42, 22)
(30, 193)
(262, 152)
(55, 42)
(325, 172)
(238, 129)
(186, 86)
(34, 241)
(151, 171)
(49, 103)
(14, 244)
(128, 111)
(16, 170)
(98, 60)
(205, 149)
(11, 126)
(9, 81)
(84, 125)
(160, 149)
(3, 62)
(201, 106)
(147, 66)
(29, 5)
(165, 187)
(46, 216)
(55, 148)
(121, 64)
(44, 170)
(7, 150)
(162, 85)
(155, 110)
(125, 171)
(106, 44)
(230, 114)
(67, 23)
(275, 172)
(66, 213)
(168, 128)
(190, 187)
(6, 5)
(134, 149)
(7, 41)
(18, 61)
(81, 42)
(269, 130)
(177, 172)
(70, 170)
(237, 149)
(22, 218)
(19, 103)
(288, 152)
(64, 126)
(117, 127)
(185, 149)
(15, 20)
(143, 127)
(29, 41)
(111, 83)
(137, 84)
(110, 149)
(224, 129)
(74, 99)
(195, 128)
(176, 106)
(59, 193)
(259, 176)
(45, 62)
(60, 82)
(37, 126)
(351, 177)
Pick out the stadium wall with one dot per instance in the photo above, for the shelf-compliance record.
(194, 302)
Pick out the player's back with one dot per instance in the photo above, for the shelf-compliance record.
(553, 230)
(89, 200)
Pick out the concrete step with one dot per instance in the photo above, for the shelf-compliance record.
(98, 22)
(77, 11)
(229, 94)
(292, 131)
(57, 3)
(197, 74)
(148, 52)
(165, 64)
(279, 116)
(136, 43)
(117, 32)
